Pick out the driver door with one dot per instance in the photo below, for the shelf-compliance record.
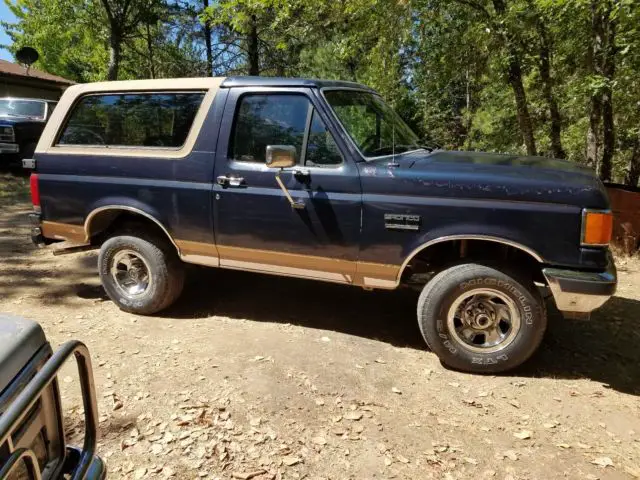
(255, 226)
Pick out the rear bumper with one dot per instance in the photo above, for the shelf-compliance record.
(579, 291)
(36, 230)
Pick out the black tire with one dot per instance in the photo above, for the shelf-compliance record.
(441, 293)
(166, 271)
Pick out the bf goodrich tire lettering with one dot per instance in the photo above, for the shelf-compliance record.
(481, 319)
(165, 271)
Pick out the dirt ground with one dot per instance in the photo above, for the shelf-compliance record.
(251, 376)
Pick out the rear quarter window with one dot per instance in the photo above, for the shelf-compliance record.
(132, 119)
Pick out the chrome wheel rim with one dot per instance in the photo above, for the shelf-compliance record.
(484, 320)
(130, 273)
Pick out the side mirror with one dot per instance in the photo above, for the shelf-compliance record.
(281, 156)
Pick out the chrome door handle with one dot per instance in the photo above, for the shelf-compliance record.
(303, 176)
(232, 181)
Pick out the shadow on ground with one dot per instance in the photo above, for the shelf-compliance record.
(604, 349)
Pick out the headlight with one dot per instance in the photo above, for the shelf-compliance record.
(597, 227)
(7, 134)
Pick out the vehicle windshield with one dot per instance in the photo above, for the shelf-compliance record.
(372, 124)
(12, 107)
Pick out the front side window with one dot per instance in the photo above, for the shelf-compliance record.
(11, 107)
(282, 119)
(263, 120)
(132, 119)
(373, 126)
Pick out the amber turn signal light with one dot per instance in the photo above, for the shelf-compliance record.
(597, 227)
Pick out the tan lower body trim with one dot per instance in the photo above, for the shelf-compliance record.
(291, 260)
(377, 275)
(287, 271)
(63, 231)
(366, 274)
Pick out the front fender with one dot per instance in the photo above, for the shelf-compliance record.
(494, 233)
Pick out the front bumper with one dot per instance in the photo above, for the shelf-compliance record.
(9, 148)
(580, 292)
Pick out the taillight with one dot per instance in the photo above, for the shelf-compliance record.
(597, 227)
(35, 190)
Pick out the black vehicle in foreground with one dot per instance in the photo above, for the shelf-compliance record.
(32, 434)
(319, 180)
(21, 123)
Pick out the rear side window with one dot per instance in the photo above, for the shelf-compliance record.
(132, 119)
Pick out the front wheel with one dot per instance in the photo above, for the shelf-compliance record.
(480, 319)
(141, 273)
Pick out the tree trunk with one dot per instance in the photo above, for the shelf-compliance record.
(469, 119)
(522, 109)
(633, 174)
(207, 41)
(252, 48)
(608, 70)
(152, 62)
(547, 90)
(594, 59)
(594, 139)
(514, 74)
(608, 136)
(115, 52)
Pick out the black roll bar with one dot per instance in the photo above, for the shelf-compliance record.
(19, 408)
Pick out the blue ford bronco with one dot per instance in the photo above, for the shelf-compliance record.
(319, 180)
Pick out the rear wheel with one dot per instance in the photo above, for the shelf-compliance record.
(141, 273)
(480, 319)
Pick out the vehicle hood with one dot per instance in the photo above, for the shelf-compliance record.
(493, 176)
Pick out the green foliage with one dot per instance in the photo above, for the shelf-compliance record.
(72, 49)
(445, 65)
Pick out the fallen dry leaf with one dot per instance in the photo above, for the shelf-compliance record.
(603, 462)
(319, 440)
(248, 475)
(290, 460)
(511, 455)
(168, 471)
(634, 472)
(255, 422)
(353, 416)
(140, 473)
